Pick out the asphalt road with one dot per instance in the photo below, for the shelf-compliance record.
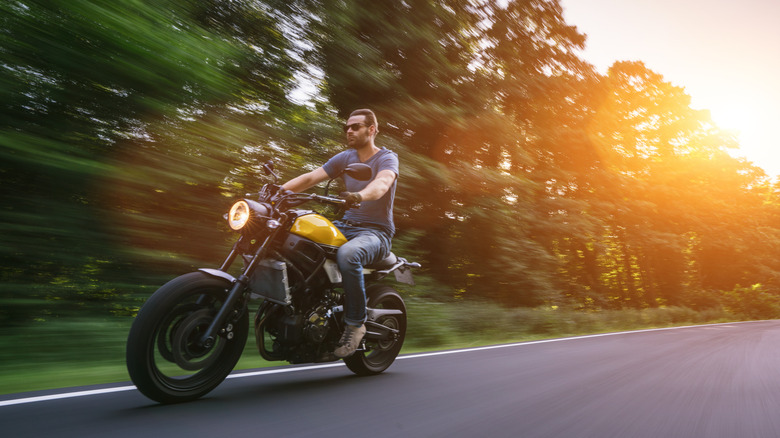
(707, 381)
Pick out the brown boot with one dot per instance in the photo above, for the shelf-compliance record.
(350, 340)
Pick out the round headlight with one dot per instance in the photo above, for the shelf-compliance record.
(239, 215)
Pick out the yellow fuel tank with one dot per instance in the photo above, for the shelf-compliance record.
(319, 229)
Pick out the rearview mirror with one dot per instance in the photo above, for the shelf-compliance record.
(359, 171)
(268, 167)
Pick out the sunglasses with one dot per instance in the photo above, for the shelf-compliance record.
(354, 126)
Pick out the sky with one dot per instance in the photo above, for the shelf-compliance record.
(725, 53)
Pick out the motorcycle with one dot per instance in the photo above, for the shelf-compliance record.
(189, 335)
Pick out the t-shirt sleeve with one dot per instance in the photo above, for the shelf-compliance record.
(389, 162)
(336, 164)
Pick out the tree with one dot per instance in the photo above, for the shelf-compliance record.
(87, 82)
(677, 196)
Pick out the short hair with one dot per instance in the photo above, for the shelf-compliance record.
(370, 117)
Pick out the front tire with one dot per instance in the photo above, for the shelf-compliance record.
(379, 355)
(164, 358)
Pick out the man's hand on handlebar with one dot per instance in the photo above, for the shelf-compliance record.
(351, 198)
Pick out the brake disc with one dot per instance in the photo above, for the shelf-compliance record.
(186, 348)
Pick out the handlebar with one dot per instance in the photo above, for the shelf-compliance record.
(300, 198)
(328, 199)
(293, 199)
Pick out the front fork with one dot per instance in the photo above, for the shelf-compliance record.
(239, 284)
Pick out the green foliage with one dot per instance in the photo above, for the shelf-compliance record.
(91, 94)
(753, 302)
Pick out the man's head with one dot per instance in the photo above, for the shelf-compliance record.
(361, 128)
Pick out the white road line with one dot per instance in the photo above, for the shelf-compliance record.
(239, 374)
(573, 338)
(20, 401)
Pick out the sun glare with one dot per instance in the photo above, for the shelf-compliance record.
(733, 118)
(749, 122)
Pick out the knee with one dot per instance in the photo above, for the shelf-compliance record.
(348, 256)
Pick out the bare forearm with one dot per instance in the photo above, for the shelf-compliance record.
(378, 187)
(305, 181)
(297, 184)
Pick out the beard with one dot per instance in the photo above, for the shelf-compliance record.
(357, 143)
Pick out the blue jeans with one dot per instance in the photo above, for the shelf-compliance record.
(365, 246)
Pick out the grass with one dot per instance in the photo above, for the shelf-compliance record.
(78, 352)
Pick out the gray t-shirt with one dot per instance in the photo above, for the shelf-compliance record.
(378, 213)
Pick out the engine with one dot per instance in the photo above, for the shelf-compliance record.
(317, 324)
(296, 337)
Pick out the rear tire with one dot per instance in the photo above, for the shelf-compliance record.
(164, 359)
(380, 354)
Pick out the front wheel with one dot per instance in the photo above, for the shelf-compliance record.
(380, 354)
(164, 357)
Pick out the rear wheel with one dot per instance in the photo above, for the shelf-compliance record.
(164, 357)
(380, 354)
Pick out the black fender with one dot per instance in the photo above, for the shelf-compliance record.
(219, 274)
(374, 314)
(376, 330)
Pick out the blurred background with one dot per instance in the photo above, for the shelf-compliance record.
(542, 197)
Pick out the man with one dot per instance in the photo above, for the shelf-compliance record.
(369, 228)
